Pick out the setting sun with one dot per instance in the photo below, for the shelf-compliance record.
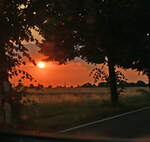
(41, 65)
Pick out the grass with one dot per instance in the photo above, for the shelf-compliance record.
(57, 111)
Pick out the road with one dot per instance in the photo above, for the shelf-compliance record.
(136, 125)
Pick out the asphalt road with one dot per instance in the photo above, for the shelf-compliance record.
(136, 125)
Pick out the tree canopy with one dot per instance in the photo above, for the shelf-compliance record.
(99, 31)
(15, 28)
(15, 25)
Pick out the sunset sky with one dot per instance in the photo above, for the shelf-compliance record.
(73, 73)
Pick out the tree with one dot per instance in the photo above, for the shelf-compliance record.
(31, 86)
(140, 54)
(49, 86)
(123, 83)
(141, 62)
(96, 31)
(87, 85)
(19, 86)
(102, 84)
(40, 86)
(16, 25)
(141, 83)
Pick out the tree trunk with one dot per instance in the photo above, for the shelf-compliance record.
(112, 82)
(5, 89)
(7, 103)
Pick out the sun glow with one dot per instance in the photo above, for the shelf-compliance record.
(41, 65)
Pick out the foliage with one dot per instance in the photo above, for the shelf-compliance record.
(87, 85)
(99, 74)
(97, 31)
(92, 28)
(31, 86)
(50, 86)
(139, 59)
(141, 83)
(16, 28)
(40, 86)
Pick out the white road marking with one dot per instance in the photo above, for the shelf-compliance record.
(102, 120)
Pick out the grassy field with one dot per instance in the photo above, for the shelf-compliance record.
(58, 109)
(60, 95)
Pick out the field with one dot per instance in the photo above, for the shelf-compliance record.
(53, 110)
(60, 95)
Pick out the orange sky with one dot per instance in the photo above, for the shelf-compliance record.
(74, 73)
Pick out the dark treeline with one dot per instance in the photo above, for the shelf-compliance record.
(121, 84)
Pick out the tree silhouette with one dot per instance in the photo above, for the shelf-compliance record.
(98, 31)
(49, 86)
(40, 86)
(31, 86)
(15, 27)
(141, 83)
(140, 54)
